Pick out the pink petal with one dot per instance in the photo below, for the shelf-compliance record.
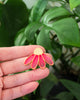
(29, 59)
(35, 62)
(48, 59)
(41, 62)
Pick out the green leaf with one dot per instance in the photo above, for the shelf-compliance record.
(24, 98)
(56, 50)
(74, 3)
(73, 87)
(55, 0)
(53, 13)
(42, 99)
(47, 84)
(44, 38)
(20, 38)
(38, 10)
(29, 3)
(77, 11)
(31, 29)
(67, 31)
(64, 96)
(17, 14)
(13, 15)
(76, 60)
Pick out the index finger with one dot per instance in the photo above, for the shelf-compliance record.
(9, 53)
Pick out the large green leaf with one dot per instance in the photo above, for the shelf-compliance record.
(4, 35)
(17, 14)
(20, 38)
(64, 96)
(67, 31)
(44, 38)
(73, 87)
(53, 13)
(76, 60)
(47, 84)
(31, 29)
(13, 16)
(74, 3)
(38, 10)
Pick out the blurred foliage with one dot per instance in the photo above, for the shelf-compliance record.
(55, 25)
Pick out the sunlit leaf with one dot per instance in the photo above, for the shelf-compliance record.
(54, 13)
(67, 31)
(74, 3)
(38, 10)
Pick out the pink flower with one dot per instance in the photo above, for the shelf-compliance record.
(38, 58)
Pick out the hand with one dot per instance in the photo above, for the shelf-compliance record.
(16, 85)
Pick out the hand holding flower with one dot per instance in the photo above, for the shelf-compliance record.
(12, 59)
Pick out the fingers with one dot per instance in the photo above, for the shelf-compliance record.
(14, 66)
(8, 53)
(19, 91)
(22, 78)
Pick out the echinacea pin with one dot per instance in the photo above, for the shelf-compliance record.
(38, 58)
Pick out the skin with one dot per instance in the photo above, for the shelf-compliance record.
(12, 60)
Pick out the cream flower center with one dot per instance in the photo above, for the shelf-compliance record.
(38, 51)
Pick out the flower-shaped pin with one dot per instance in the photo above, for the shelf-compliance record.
(38, 58)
